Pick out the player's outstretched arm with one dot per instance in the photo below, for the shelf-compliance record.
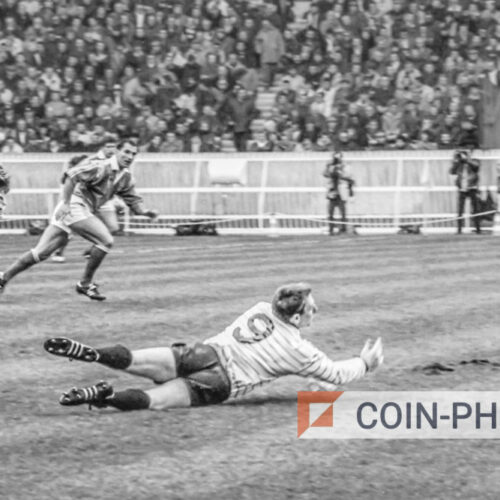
(342, 372)
(135, 202)
(152, 214)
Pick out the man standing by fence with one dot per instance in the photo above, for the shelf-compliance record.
(340, 189)
(466, 171)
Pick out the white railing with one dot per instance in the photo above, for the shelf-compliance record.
(262, 192)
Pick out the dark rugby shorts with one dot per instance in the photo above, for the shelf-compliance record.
(200, 366)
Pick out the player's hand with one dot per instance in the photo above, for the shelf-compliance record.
(372, 354)
(62, 211)
(152, 214)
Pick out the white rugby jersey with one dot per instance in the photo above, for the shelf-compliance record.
(259, 347)
(98, 179)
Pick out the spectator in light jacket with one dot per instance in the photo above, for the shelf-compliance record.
(270, 46)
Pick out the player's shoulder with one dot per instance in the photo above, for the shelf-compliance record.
(76, 160)
(263, 304)
(99, 158)
(83, 160)
(258, 309)
(261, 307)
(100, 155)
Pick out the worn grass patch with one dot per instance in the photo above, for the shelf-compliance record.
(434, 299)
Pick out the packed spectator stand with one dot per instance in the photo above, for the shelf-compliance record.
(220, 75)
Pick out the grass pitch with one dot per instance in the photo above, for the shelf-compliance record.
(431, 298)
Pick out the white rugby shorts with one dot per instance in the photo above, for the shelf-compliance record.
(79, 210)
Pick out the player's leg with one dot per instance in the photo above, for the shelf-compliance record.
(58, 255)
(52, 238)
(173, 394)
(158, 364)
(93, 230)
(107, 214)
(201, 378)
(206, 387)
(201, 381)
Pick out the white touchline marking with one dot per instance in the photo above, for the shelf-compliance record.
(173, 249)
(204, 248)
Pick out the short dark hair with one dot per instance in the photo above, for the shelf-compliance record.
(76, 160)
(290, 299)
(127, 140)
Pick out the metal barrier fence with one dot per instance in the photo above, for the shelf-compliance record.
(253, 193)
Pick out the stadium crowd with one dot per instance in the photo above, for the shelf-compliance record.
(182, 75)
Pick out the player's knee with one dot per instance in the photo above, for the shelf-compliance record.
(161, 377)
(113, 228)
(157, 402)
(172, 394)
(107, 242)
(36, 255)
(40, 255)
(104, 247)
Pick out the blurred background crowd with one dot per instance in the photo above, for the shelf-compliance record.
(249, 75)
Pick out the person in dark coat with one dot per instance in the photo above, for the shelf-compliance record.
(340, 188)
(466, 171)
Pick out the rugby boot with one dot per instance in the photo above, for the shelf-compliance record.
(72, 349)
(94, 395)
(90, 290)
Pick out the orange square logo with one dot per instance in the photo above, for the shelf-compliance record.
(307, 398)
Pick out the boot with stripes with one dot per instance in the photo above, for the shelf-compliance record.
(72, 349)
(94, 395)
(91, 291)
